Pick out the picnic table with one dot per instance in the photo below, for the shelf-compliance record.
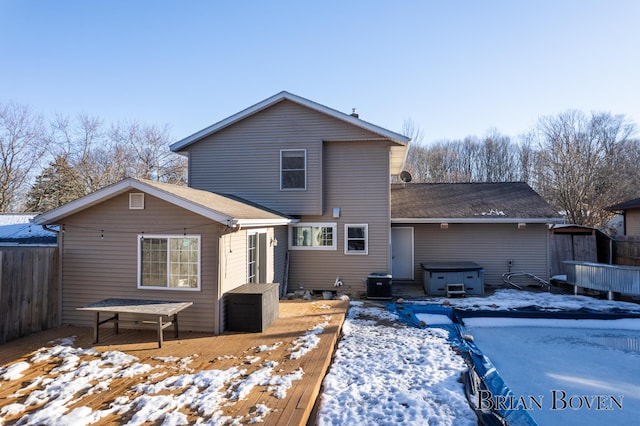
(158, 309)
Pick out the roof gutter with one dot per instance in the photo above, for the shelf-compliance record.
(262, 222)
(479, 220)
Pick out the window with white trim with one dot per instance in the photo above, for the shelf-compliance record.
(356, 239)
(312, 236)
(293, 169)
(169, 262)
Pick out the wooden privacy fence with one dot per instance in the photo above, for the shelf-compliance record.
(578, 243)
(29, 291)
(627, 250)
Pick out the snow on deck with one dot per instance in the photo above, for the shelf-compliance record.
(383, 372)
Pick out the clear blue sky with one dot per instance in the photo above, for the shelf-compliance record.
(456, 68)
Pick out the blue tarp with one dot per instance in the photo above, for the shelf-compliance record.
(483, 384)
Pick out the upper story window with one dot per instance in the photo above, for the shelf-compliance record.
(356, 239)
(293, 169)
(169, 262)
(312, 236)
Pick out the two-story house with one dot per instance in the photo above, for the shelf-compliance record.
(286, 177)
(328, 170)
(292, 191)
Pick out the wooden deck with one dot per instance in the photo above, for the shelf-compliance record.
(213, 352)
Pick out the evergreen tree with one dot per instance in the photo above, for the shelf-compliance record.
(58, 184)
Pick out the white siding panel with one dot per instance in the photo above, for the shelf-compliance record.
(234, 260)
(489, 245)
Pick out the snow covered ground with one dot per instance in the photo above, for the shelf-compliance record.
(387, 373)
(384, 372)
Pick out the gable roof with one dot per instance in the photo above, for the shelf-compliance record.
(627, 205)
(217, 207)
(504, 202)
(398, 153)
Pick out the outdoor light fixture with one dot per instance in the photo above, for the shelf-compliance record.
(444, 225)
(336, 212)
(522, 225)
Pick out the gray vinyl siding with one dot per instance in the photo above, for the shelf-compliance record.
(244, 159)
(489, 245)
(356, 180)
(95, 267)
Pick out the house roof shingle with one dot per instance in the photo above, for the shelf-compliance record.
(469, 202)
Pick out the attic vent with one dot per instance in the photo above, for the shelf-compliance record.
(136, 201)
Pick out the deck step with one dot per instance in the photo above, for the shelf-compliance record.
(454, 290)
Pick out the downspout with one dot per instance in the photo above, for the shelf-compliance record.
(219, 294)
(60, 238)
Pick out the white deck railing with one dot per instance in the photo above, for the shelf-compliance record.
(602, 277)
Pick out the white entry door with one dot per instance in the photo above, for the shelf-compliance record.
(257, 256)
(402, 253)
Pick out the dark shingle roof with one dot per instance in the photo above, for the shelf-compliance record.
(627, 205)
(481, 201)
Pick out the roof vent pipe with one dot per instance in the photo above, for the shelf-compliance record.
(354, 113)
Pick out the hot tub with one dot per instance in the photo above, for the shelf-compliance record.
(438, 275)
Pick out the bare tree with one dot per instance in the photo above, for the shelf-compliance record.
(82, 143)
(415, 156)
(491, 159)
(498, 160)
(150, 157)
(101, 157)
(22, 146)
(582, 159)
(526, 158)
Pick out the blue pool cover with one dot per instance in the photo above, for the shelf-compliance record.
(481, 377)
